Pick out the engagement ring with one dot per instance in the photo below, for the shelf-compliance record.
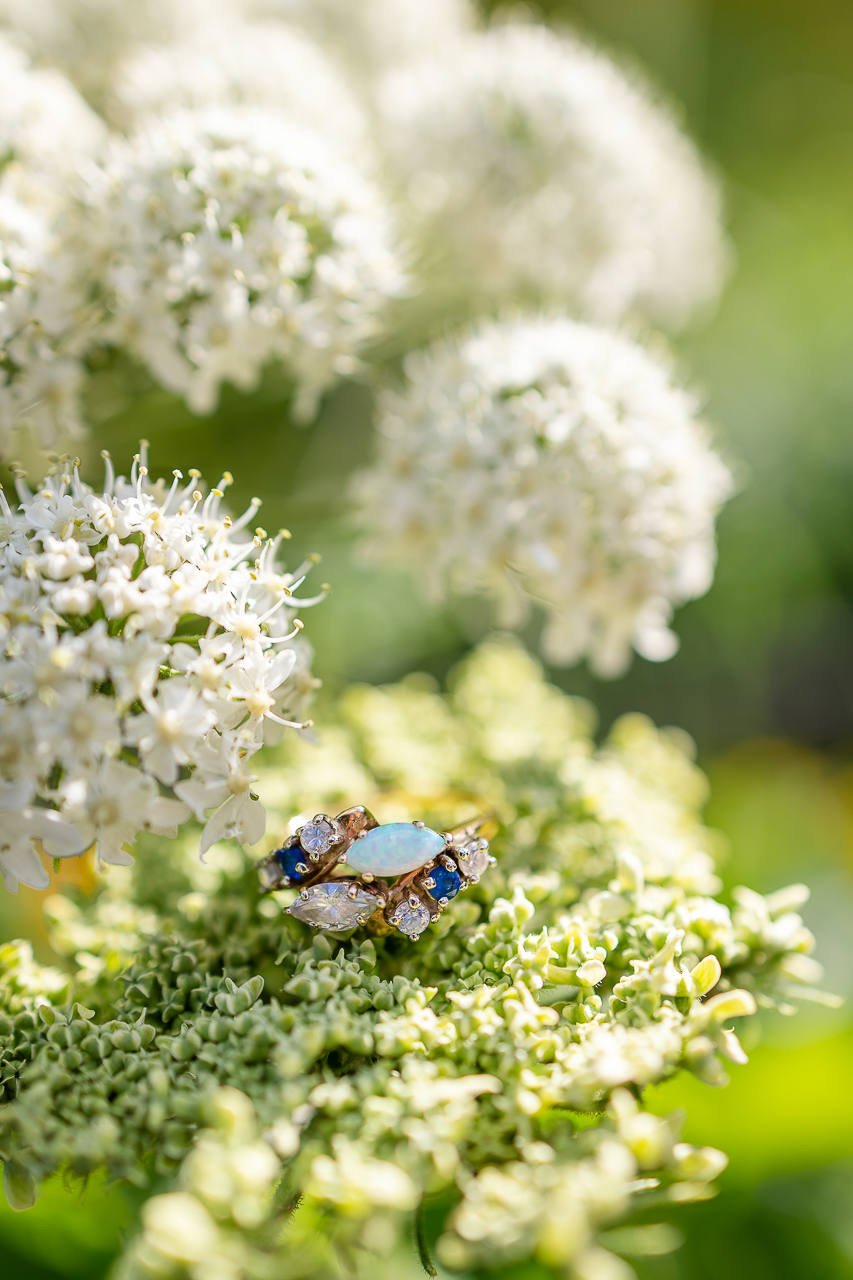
(340, 867)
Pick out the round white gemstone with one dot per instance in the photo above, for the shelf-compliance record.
(318, 836)
(333, 906)
(411, 920)
(479, 860)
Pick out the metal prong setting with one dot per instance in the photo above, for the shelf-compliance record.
(310, 857)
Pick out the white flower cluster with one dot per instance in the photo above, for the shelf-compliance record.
(45, 126)
(239, 62)
(555, 1211)
(534, 169)
(46, 134)
(226, 1185)
(87, 38)
(224, 238)
(550, 461)
(233, 226)
(540, 1204)
(39, 373)
(372, 35)
(147, 646)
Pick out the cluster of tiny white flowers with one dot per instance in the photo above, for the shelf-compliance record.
(239, 62)
(39, 373)
(368, 37)
(209, 242)
(550, 461)
(47, 132)
(534, 168)
(45, 126)
(224, 238)
(148, 644)
(87, 38)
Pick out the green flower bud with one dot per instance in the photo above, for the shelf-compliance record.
(706, 975)
(730, 1004)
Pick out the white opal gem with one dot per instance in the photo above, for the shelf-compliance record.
(394, 849)
(334, 906)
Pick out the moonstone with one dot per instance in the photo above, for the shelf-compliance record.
(394, 849)
(332, 906)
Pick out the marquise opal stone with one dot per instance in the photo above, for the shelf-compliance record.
(394, 849)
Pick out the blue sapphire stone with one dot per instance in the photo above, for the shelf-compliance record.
(447, 883)
(287, 858)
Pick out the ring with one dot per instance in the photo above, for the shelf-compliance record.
(431, 867)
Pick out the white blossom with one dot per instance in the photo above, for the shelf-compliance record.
(20, 825)
(47, 133)
(222, 239)
(87, 38)
(224, 783)
(534, 169)
(551, 461)
(45, 126)
(372, 35)
(170, 728)
(147, 642)
(244, 63)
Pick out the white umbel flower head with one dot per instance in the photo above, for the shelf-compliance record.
(86, 38)
(372, 35)
(534, 169)
(245, 63)
(47, 133)
(147, 642)
(45, 126)
(40, 373)
(552, 461)
(227, 238)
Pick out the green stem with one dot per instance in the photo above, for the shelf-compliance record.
(421, 1238)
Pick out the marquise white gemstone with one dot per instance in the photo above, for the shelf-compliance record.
(334, 906)
(394, 849)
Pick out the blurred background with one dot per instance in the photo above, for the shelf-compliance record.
(764, 677)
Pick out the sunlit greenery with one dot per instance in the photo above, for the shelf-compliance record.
(764, 677)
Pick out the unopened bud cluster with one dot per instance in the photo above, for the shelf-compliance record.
(498, 1062)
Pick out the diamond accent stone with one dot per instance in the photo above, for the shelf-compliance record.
(411, 919)
(478, 860)
(318, 836)
(269, 874)
(334, 906)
